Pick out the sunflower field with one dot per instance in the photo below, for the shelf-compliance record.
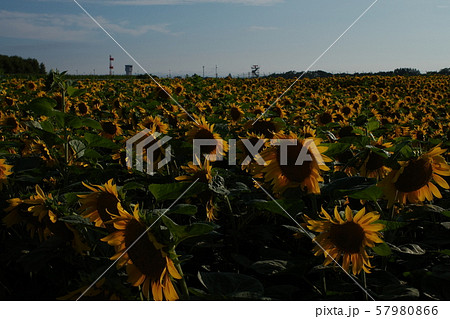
(79, 220)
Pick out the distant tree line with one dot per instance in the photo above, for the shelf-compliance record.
(18, 65)
(323, 74)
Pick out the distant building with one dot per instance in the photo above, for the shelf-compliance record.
(128, 69)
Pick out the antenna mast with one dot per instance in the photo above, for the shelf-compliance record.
(110, 65)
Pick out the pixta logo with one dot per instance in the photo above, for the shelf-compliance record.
(148, 147)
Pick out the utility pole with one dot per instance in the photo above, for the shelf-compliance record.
(203, 71)
(216, 71)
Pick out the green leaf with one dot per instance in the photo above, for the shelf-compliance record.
(49, 138)
(446, 213)
(269, 267)
(47, 126)
(90, 123)
(410, 249)
(182, 232)
(174, 190)
(75, 220)
(391, 225)
(292, 207)
(90, 153)
(78, 147)
(378, 151)
(74, 121)
(299, 230)
(347, 185)
(74, 92)
(399, 292)
(78, 121)
(60, 118)
(373, 124)
(71, 198)
(41, 106)
(335, 149)
(95, 140)
(231, 285)
(370, 193)
(133, 186)
(181, 209)
(445, 252)
(382, 249)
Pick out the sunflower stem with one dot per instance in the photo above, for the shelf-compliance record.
(314, 205)
(380, 210)
(365, 285)
(233, 225)
(66, 141)
(184, 287)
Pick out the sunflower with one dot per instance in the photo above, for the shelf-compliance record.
(306, 175)
(10, 122)
(324, 118)
(31, 86)
(346, 110)
(5, 171)
(40, 217)
(248, 161)
(414, 180)
(110, 129)
(146, 262)
(264, 127)
(258, 110)
(200, 172)
(40, 205)
(38, 148)
(307, 132)
(235, 113)
(162, 94)
(373, 166)
(346, 237)
(98, 205)
(278, 111)
(10, 101)
(154, 124)
(17, 212)
(81, 108)
(205, 131)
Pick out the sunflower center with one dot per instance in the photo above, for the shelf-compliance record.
(348, 237)
(346, 110)
(82, 108)
(107, 202)
(295, 173)
(374, 162)
(325, 118)
(10, 121)
(143, 253)
(265, 128)
(109, 128)
(417, 174)
(204, 134)
(235, 114)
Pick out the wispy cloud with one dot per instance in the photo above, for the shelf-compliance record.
(66, 27)
(174, 2)
(261, 28)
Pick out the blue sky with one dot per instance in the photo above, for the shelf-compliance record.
(184, 35)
